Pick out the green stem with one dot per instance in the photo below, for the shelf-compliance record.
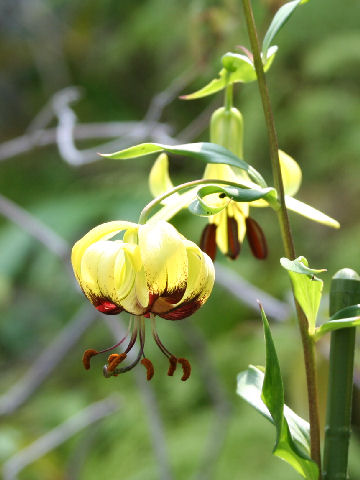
(229, 97)
(345, 291)
(183, 186)
(308, 345)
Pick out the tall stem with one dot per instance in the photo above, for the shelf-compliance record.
(308, 344)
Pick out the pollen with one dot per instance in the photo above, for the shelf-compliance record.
(186, 368)
(149, 368)
(88, 354)
(114, 360)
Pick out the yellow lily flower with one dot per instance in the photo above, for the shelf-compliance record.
(227, 229)
(153, 270)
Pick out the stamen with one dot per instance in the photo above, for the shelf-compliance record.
(149, 368)
(208, 240)
(88, 354)
(256, 239)
(186, 368)
(172, 367)
(234, 245)
(114, 360)
(108, 371)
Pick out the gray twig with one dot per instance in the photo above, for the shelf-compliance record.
(249, 294)
(34, 227)
(59, 435)
(20, 391)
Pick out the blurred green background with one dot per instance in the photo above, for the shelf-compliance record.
(122, 55)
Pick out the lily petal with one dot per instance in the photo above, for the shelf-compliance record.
(310, 212)
(101, 232)
(159, 179)
(291, 173)
(200, 283)
(164, 258)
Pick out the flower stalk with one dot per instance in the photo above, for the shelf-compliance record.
(183, 186)
(307, 342)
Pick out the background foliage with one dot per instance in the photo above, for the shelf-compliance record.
(122, 54)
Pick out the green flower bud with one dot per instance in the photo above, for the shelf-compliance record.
(226, 129)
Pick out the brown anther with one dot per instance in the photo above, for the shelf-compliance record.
(234, 245)
(172, 367)
(149, 368)
(256, 239)
(208, 240)
(186, 368)
(114, 360)
(88, 354)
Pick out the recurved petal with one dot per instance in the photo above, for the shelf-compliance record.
(101, 232)
(291, 173)
(89, 268)
(159, 178)
(200, 283)
(164, 258)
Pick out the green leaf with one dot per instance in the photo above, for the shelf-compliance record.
(237, 68)
(266, 395)
(310, 212)
(279, 20)
(345, 318)
(307, 287)
(205, 151)
(245, 194)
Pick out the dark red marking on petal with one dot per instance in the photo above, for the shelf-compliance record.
(182, 311)
(234, 246)
(256, 239)
(208, 240)
(174, 296)
(149, 368)
(88, 354)
(186, 368)
(108, 308)
(114, 360)
(105, 305)
(172, 366)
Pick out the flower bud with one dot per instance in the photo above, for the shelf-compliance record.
(226, 129)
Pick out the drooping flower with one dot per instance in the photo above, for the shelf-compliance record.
(153, 270)
(227, 228)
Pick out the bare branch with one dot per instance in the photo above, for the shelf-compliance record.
(59, 435)
(20, 391)
(249, 294)
(34, 227)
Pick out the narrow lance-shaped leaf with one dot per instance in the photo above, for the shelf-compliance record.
(280, 18)
(307, 287)
(238, 68)
(266, 394)
(345, 318)
(204, 151)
